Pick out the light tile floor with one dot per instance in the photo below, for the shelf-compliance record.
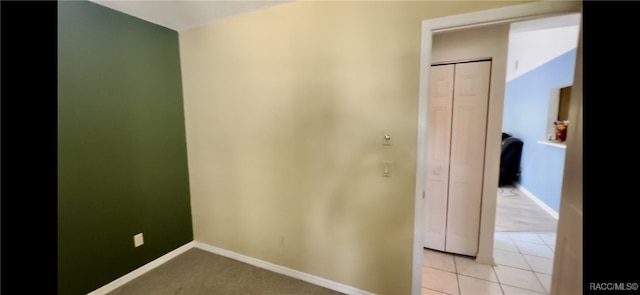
(524, 261)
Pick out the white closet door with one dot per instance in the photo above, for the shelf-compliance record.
(438, 153)
(468, 135)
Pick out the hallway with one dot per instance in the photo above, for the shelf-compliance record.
(524, 244)
(515, 211)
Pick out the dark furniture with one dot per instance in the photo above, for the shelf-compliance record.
(510, 159)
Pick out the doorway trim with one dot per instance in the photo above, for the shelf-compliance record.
(455, 22)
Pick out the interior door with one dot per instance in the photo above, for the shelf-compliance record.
(469, 129)
(567, 266)
(438, 153)
(458, 105)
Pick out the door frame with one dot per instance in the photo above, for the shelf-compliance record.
(464, 21)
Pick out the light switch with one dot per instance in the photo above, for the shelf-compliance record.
(386, 169)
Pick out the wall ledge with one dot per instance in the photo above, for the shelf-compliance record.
(561, 145)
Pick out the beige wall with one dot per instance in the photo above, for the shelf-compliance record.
(285, 111)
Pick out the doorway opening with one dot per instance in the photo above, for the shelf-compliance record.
(430, 27)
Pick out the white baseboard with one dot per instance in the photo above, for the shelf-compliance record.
(540, 203)
(233, 255)
(142, 270)
(283, 270)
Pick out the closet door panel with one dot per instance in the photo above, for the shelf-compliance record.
(469, 122)
(438, 154)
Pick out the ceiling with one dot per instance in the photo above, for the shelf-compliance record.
(181, 15)
(551, 22)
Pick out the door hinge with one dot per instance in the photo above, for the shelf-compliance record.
(423, 195)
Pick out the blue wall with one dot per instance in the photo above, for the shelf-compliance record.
(526, 110)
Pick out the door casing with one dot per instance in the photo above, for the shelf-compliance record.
(463, 21)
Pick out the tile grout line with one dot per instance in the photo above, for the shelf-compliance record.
(493, 268)
(541, 284)
(527, 262)
(506, 236)
(455, 267)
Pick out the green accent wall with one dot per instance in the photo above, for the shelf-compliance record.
(122, 158)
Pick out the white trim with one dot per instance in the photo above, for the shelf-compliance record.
(142, 270)
(282, 270)
(233, 255)
(553, 144)
(540, 203)
(505, 14)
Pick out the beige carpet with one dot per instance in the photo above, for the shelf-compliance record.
(516, 212)
(198, 272)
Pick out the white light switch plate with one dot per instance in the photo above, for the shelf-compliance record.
(386, 169)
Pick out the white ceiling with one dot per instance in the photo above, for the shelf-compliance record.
(546, 23)
(181, 15)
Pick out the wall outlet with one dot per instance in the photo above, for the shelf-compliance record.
(138, 240)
